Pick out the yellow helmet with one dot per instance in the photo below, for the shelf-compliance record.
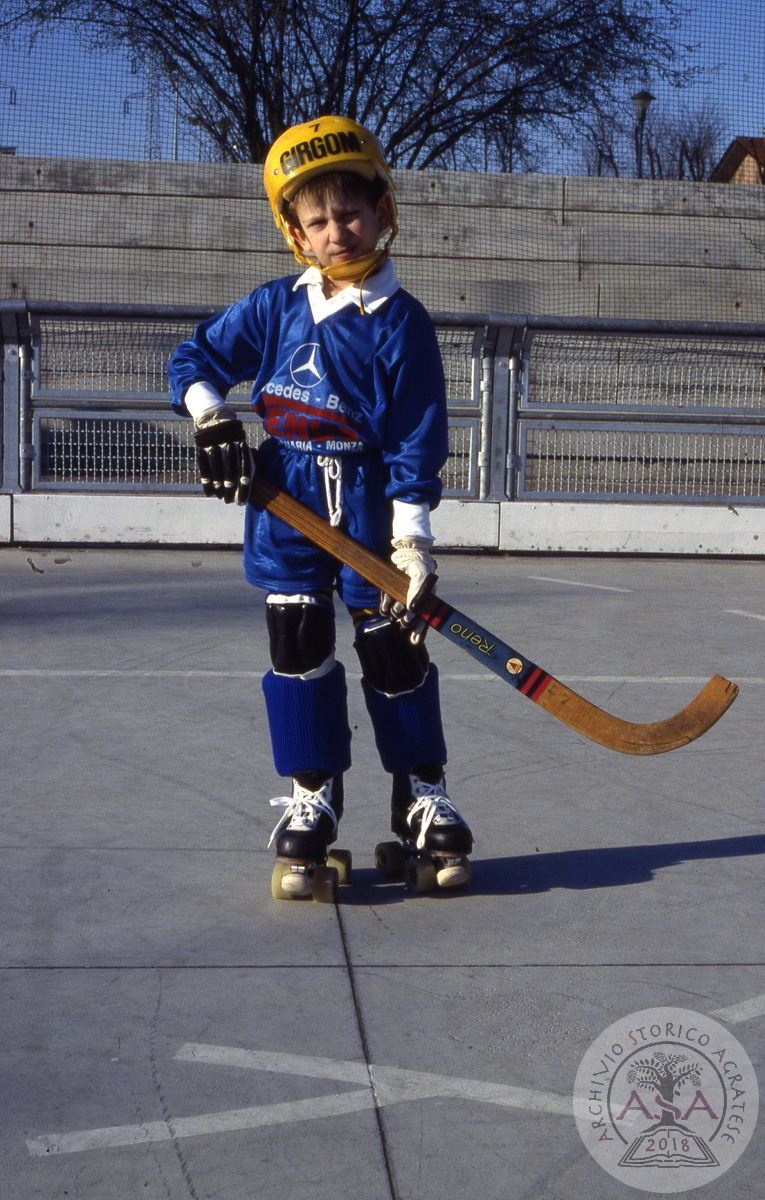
(314, 148)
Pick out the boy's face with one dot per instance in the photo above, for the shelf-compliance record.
(340, 228)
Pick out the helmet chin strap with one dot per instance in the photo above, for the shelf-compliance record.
(355, 268)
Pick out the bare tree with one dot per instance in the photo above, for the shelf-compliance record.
(683, 145)
(498, 144)
(431, 79)
(602, 142)
(686, 146)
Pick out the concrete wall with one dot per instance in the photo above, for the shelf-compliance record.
(527, 527)
(177, 233)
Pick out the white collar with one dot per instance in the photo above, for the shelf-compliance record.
(377, 289)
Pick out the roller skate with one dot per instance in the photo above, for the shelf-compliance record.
(304, 868)
(435, 840)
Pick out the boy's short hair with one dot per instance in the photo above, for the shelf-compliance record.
(322, 188)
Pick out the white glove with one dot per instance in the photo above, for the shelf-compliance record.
(412, 555)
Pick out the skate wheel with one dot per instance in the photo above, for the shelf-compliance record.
(287, 884)
(390, 859)
(419, 876)
(342, 862)
(454, 874)
(325, 881)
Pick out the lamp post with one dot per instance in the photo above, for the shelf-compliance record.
(12, 99)
(176, 112)
(641, 101)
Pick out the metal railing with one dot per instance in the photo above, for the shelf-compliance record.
(637, 410)
(539, 407)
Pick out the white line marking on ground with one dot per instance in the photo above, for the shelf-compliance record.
(739, 612)
(391, 1085)
(457, 676)
(346, 1071)
(108, 673)
(184, 1127)
(692, 679)
(387, 1079)
(755, 1007)
(598, 587)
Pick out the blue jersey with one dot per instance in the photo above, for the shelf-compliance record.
(364, 388)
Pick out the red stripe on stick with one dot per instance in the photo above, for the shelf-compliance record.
(535, 684)
(528, 684)
(435, 612)
(541, 685)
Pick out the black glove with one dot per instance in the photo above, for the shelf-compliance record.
(225, 462)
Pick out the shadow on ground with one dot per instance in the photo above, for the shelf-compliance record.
(576, 869)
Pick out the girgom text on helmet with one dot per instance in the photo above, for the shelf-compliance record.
(318, 148)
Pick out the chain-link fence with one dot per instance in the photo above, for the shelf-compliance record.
(124, 180)
(539, 408)
(116, 88)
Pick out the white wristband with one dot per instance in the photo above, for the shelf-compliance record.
(200, 397)
(411, 520)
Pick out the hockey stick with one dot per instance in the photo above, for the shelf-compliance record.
(526, 677)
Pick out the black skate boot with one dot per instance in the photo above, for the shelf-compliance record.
(309, 825)
(435, 840)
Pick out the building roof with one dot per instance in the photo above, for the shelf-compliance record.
(739, 149)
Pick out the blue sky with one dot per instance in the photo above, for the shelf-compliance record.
(74, 102)
(730, 35)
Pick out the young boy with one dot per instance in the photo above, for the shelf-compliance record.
(349, 384)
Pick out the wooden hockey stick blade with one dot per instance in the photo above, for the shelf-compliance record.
(627, 737)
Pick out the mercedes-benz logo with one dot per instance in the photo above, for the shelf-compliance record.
(306, 366)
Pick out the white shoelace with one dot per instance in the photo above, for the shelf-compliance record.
(333, 482)
(434, 805)
(303, 808)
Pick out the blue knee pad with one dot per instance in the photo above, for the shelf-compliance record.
(308, 722)
(408, 729)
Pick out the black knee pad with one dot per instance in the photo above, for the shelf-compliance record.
(389, 661)
(301, 636)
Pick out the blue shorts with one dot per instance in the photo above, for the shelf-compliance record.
(279, 559)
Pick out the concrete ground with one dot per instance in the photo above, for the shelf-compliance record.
(170, 1031)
